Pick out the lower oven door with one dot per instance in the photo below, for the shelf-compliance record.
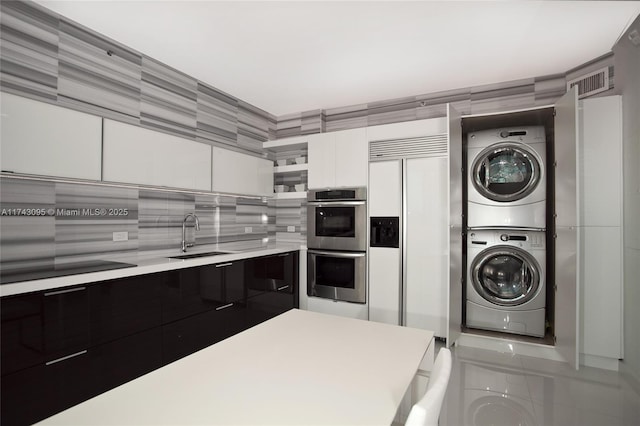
(337, 275)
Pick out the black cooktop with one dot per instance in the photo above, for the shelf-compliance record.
(7, 277)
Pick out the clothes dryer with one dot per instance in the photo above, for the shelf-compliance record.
(506, 289)
(506, 178)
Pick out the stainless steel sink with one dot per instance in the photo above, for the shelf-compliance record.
(194, 255)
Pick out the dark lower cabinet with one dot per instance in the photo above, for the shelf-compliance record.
(125, 359)
(62, 347)
(181, 338)
(274, 280)
(38, 392)
(268, 305)
(42, 327)
(125, 306)
(223, 322)
(22, 334)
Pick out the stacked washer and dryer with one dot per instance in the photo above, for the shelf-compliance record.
(506, 230)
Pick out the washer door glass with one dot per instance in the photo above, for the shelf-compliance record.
(506, 172)
(505, 275)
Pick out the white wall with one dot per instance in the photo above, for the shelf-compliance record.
(627, 82)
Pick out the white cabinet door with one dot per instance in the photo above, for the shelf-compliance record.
(265, 177)
(601, 288)
(601, 252)
(351, 157)
(132, 154)
(601, 161)
(338, 159)
(43, 139)
(238, 173)
(321, 159)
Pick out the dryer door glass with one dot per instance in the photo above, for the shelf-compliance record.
(506, 172)
(506, 276)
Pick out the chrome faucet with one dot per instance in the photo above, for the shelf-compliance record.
(185, 245)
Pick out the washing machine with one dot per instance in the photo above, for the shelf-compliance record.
(506, 178)
(506, 289)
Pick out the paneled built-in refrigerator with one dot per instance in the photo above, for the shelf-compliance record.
(409, 275)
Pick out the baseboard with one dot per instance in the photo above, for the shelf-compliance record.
(506, 345)
(599, 362)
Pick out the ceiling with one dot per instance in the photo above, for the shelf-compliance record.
(288, 57)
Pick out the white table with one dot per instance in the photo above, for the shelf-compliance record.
(298, 368)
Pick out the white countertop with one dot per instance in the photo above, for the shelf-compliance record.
(150, 263)
(298, 368)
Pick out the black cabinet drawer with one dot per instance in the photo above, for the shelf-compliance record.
(66, 319)
(223, 283)
(125, 359)
(266, 306)
(182, 295)
(38, 392)
(22, 334)
(125, 306)
(222, 323)
(272, 273)
(188, 335)
(181, 338)
(196, 290)
(44, 326)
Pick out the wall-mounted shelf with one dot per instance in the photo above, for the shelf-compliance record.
(290, 195)
(288, 144)
(291, 168)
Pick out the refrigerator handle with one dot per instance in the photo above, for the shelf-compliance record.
(403, 245)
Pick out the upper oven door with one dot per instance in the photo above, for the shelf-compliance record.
(337, 225)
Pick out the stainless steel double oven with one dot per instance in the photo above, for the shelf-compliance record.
(337, 243)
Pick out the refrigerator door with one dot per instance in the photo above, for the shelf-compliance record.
(385, 199)
(427, 244)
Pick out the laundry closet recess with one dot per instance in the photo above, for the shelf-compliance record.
(560, 260)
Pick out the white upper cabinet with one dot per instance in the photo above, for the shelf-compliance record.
(408, 129)
(351, 158)
(42, 139)
(238, 173)
(133, 154)
(322, 166)
(338, 159)
(600, 155)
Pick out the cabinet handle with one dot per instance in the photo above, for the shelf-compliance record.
(283, 287)
(222, 265)
(219, 308)
(70, 290)
(284, 255)
(66, 357)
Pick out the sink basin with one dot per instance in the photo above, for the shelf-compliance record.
(194, 255)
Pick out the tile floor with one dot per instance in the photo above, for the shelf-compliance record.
(493, 388)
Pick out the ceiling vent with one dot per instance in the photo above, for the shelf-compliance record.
(423, 146)
(592, 83)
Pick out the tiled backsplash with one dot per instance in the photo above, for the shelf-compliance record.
(70, 222)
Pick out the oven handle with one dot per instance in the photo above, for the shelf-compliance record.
(337, 254)
(336, 203)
